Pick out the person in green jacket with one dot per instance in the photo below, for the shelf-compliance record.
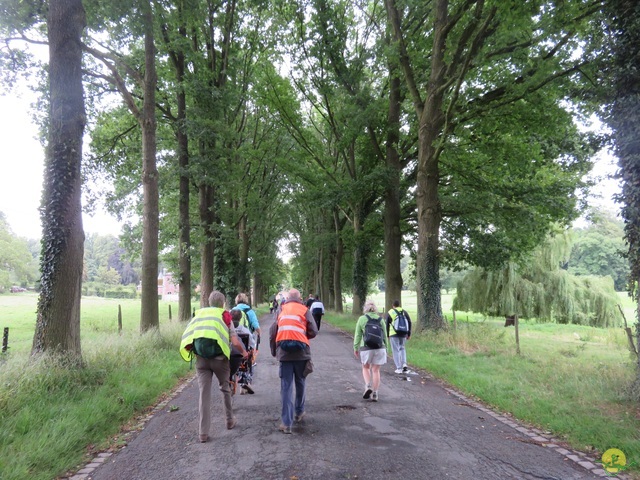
(370, 344)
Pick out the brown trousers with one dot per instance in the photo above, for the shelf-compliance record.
(206, 368)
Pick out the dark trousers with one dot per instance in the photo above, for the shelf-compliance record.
(317, 317)
(290, 375)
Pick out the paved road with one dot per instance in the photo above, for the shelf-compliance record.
(418, 430)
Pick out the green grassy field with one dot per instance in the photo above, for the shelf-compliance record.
(569, 380)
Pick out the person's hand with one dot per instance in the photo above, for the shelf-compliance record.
(245, 354)
(356, 353)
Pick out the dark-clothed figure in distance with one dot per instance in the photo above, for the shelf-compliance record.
(317, 310)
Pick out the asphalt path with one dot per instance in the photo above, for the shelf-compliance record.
(419, 429)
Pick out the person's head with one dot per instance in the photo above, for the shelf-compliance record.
(242, 298)
(236, 316)
(396, 303)
(294, 295)
(369, 307)
(317, 297)
(311, 295)
(216, 299)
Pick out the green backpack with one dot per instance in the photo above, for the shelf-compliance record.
(207, 347)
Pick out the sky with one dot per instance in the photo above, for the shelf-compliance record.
(22, 161)
(21, 177)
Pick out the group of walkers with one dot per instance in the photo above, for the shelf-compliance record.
(212, 336)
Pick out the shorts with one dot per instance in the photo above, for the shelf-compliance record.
(377, 356)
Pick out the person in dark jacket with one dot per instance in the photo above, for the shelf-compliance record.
(289, 340)
(317, 311)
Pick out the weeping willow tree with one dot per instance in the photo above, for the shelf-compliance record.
(539, 288)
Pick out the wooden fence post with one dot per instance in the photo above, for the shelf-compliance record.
(516, 325)
(455, 322)
(119, 319)
(169, 311)
(5, 340)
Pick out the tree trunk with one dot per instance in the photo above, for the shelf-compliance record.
(429, 208)
(337, 268)
(243, 272)
(58, 314)
(184, 249)
(150, 223)
(392, 233)
(360, 266)
(208, 245)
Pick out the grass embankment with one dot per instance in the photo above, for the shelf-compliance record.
(569, 380)
(52, 417)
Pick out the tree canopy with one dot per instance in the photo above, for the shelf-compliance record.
(350, 130)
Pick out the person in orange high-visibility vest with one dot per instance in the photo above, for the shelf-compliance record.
(289, 340)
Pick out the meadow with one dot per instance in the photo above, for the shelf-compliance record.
(569, 380)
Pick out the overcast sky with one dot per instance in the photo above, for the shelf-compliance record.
(22, 166)
(21, 180)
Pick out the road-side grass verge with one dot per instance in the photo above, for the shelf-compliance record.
(50, 415)
(569, 380)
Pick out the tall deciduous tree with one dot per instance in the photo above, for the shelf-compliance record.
(465, 63)
(624, 119)
(145, 81)
(58, 322)
(149, 301)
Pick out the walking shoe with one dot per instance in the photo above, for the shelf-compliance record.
(367, 393)
(374, 397)
(248, 388)
(299, 417)
(231, 423)
(284, 428)
(405, 369)
(203, 438)
(400, 370)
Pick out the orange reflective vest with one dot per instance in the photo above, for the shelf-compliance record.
(292, 323)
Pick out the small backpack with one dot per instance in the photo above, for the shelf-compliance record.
(400, 323)
(373, 333)
(207, 347)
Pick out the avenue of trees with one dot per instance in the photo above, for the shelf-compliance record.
(352, 130)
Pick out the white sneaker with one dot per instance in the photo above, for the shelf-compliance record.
(405, 369)
(399, 370)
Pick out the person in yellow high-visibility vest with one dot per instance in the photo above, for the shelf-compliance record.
(208, 336)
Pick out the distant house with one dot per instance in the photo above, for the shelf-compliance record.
(167, 289)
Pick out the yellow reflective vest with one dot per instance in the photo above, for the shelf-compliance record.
(207, 323)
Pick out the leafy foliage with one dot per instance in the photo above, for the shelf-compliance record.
(540, 289)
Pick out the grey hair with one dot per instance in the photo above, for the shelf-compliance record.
(216, 299)
(294, 295)
(369, 306)
(242, 298)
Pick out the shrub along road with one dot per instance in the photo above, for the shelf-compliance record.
(419, 429)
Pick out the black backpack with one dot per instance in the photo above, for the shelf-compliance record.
(207, 347)
(373, 333)
(400, 323)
